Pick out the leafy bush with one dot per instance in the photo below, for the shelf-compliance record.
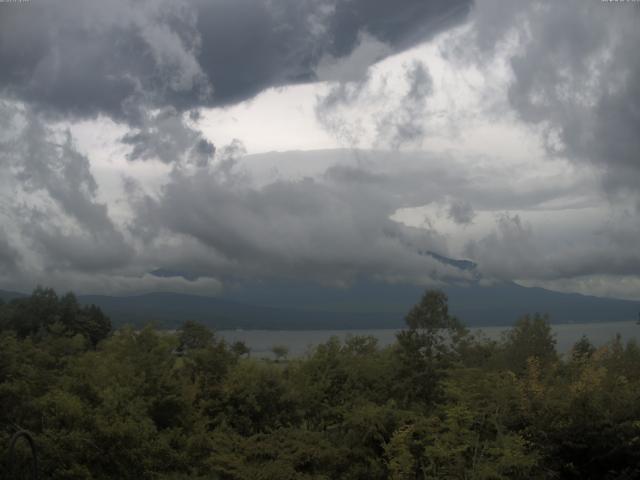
(440, 403)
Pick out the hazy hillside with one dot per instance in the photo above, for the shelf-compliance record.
(171, 309)
(365, 305)
(8, 295)
(475, 305)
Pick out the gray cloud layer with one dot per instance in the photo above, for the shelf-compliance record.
(83, 58)
(333, 226)
(575, 78)
(51, 197)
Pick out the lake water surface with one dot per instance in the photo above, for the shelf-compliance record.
(300, 342)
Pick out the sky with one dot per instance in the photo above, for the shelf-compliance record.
(329, 141)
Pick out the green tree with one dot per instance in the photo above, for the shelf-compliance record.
(280, 352)
(582, 349)
(194, 336)
(256, 398)
(428, 346)
(34, 314)
(93, 324)
(240, 348)
(530, 337)
(45, 314)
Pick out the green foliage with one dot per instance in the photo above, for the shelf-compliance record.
(440, 403)
(582, 349)
(280, 352)
(427, 348)
(256, 399)
(194, 336)
(239, 348)
(45, 314)
(530, 337)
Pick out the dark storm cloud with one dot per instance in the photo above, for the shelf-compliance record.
(9, 255)
(576, 79)
(509, 250)
(80, 251)
(576, 76)
(419, 178)
(515, 250)
(61, 171)
(59, 213)
(164, 135)
(335, 223)
(331, 227)
(282, 41)
(82, 58)
(399, 120)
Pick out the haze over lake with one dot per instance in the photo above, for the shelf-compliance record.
(300, 342)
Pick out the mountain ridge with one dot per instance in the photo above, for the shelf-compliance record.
(299, 306)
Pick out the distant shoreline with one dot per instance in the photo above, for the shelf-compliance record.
(299, 342)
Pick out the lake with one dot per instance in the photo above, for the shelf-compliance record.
(300, 342)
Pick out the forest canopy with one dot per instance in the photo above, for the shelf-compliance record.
(438, 403)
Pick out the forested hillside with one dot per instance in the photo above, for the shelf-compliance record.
(439, 403)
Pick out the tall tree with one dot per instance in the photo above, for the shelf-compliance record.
(530, 337)
(428, 346)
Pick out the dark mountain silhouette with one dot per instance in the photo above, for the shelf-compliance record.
(8, 295)
(475, 305)
(281, 305)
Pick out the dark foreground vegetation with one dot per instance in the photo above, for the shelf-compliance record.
(440, 403)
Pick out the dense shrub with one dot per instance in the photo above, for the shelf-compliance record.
(437, 404)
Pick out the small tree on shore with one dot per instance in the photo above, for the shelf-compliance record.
(280, 352)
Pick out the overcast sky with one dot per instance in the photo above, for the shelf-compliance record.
(330, 140)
